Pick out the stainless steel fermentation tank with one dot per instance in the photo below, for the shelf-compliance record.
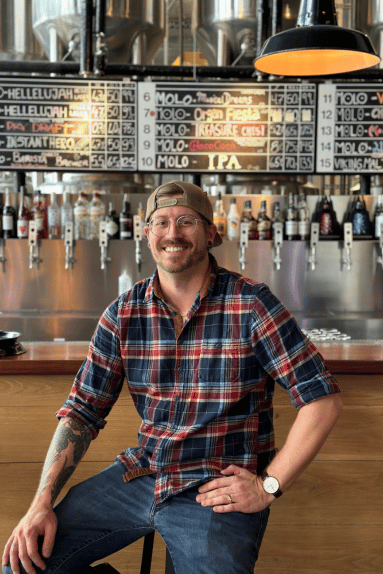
(134, 29)
(17, 41)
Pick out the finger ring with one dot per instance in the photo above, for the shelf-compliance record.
(230, 500)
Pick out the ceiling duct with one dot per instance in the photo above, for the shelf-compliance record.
(134, 29)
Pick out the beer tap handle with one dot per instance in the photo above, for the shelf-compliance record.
(137, 234)
(34, 246)
(68, 241)
(314, 238)
(103, 242)
(380, 258)
(347, 228)
(243, 244)
(2, 253)
(277, 241)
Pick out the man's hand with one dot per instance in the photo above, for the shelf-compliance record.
(238, 491)
(23, 543)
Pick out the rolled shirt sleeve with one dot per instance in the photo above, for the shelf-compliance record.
(286, 354)
(98, 383)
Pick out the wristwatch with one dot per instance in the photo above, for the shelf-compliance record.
(271, 484)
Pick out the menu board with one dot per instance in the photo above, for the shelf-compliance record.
(52, 124)
(75, 125)
(214, 127)
(350, 128)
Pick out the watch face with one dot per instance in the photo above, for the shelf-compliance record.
(271, 485)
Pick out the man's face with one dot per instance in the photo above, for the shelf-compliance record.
(175, 252)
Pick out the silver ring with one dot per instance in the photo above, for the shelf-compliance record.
(230, 500)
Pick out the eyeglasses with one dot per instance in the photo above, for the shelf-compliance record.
(186, 224)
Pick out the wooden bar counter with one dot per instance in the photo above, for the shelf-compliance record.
(66, 358)
(330, 521)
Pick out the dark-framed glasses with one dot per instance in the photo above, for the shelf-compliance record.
(186, 224)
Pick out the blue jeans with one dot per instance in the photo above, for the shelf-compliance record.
(103, 515)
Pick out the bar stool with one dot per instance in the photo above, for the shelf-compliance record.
(147, 553)
(146, 562)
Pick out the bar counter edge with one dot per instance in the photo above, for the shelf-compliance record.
(66, 358)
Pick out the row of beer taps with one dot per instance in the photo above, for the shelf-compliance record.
(312, 246)
(69, 241)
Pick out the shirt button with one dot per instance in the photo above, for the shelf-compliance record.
(176, 399)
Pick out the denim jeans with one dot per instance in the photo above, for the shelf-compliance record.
(103, 515)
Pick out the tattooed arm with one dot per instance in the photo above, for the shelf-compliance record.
(69, 444)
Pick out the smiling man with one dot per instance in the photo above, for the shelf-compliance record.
(201, 349)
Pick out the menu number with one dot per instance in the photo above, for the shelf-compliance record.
(326, 127)
(147, 123)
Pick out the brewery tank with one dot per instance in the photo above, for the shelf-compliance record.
(134, 29)
(226, 30)
(17, 41)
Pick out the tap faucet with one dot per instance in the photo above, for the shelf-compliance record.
(137, 233)
(243, 244)
(2, 253)
(278, 241)
(69, 242)
(103, 242)
(380, 258)
(34, 246)
(314, 238)
(347, 244)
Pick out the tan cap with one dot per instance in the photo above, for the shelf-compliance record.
(192, 196)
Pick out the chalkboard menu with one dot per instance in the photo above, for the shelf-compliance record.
(52, 124)
(68, 125)
(350, 128)
(226, 127)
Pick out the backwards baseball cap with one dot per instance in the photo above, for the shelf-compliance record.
(192, 196)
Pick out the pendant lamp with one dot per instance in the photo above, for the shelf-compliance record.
(317, 46)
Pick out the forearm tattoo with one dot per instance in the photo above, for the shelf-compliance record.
(70, 432)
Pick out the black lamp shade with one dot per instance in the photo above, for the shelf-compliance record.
(317, 46)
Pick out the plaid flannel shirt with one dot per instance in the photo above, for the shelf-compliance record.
(203, 391)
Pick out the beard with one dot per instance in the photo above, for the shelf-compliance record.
(178, 261)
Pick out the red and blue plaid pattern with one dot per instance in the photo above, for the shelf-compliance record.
(204, 397)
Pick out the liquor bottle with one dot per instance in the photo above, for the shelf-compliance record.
(126, 220)
(378, 217)
(219, 216)
(54, 218)
(291, 221)
(112, 223)
(233, 221)
(277, 217)
(9, 217)
(81, 217)
(97, 214)
(328, 224)
(40, 215)
(247, 217)
(263, 223)
(66, 213)
(361, 224)
(303, 218)
(24, 216)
